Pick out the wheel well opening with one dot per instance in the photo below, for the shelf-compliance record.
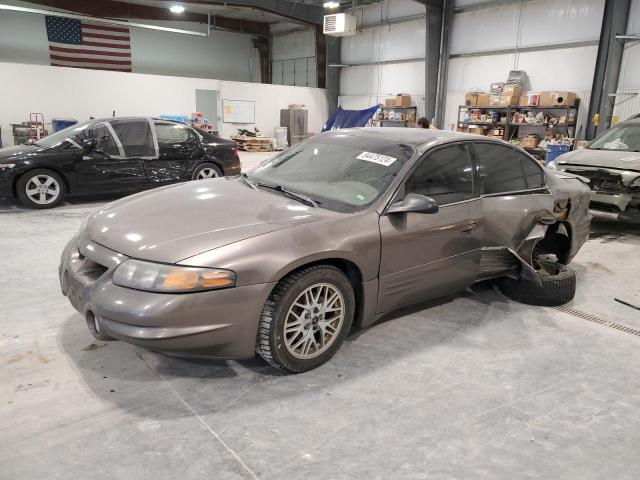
(352, 272)
(67, 185)
(557, 241)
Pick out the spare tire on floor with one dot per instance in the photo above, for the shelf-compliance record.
(554, 289)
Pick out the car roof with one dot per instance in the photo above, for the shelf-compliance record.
(107, 119)
(411, 136)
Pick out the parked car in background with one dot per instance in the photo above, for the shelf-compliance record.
(114, 155)
(332, 233)
(612, 164)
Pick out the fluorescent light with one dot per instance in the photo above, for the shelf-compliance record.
(331, 4)
(176, 9)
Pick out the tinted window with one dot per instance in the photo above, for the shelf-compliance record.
(504, 169)
(136, 137)
(445, 175)
(170, 133)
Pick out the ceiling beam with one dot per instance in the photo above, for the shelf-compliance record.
(293, 10)
(123, 10)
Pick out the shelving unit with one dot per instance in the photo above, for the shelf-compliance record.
(512, 129)
(397, 123)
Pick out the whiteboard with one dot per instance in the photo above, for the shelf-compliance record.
(238, 111)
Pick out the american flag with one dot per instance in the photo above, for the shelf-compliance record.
(82, 44)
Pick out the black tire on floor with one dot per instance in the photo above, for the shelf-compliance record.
(205, 166)
(270, 344)
(555, 289)
(40, 174)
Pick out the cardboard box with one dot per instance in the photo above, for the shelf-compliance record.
(477, 129)
(389, 102)
(403, 100)
(512, 91)
(555, 98)
(494, 100)
(524, 101)
(506, 101)
(483, 100)
(296, 106)
(471, 99)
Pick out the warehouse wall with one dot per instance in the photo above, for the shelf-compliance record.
(293, 57)
(224, 55)
(403, 43)
(629, 83)
(534, 23)
(77, 93)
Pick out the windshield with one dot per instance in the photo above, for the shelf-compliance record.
(59, 137)
(339, 172)
(624, 138)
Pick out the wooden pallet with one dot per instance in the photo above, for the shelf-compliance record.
(254, 144)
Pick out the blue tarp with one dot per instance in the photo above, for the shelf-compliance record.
(349, 118)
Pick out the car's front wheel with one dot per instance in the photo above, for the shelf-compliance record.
(206, 170)
(306, 319)
(40, 188)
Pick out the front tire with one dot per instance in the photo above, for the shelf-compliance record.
(206, 170)
(306, 319)
(40, 188)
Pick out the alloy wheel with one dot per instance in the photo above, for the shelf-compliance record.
(207, 172)
(42, 189)
(314, 321)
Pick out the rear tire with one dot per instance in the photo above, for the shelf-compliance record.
(554, 290)
(306, 319)
(41, 188)
(205, 171)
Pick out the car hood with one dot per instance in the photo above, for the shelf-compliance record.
(17, 152)
(601, 158)
(173, 223)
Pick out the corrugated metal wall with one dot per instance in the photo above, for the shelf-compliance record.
(529, 24)
(628, 103)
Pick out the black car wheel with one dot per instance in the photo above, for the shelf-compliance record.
(306, 319)
(40, 188)
(206, 170)
(554, 289)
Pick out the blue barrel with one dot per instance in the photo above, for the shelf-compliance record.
(58, 124)
(554, 151)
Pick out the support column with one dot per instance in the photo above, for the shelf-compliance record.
(262, 45)
(443, 70)
(608, 63)
(433, 35)
(332, 75)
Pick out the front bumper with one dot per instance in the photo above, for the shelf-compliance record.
(219, 323)
(619, 206)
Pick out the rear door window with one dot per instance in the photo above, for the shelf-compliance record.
(504, 169)
(446, 175)
(172, 133)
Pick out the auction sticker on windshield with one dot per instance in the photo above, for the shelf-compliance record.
(376, 158)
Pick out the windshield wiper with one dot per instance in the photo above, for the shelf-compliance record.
(290, 193)
(245, 177)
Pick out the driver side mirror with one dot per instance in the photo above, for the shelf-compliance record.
(415, 203)
(89, 144)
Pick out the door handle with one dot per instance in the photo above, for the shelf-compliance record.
(469, 227)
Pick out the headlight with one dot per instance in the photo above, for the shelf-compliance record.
(7, 165)
(635, 183)
(158, 277)
(552, 165)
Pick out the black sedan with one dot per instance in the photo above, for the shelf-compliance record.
(112, 156)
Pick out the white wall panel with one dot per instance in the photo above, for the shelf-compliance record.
(393, 42)
(542, 22)
(627, 105)
(48, 90)
(389, 79)
(630, 71)
(298, 44)
(388, 10)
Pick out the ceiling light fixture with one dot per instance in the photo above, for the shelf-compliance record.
(331, 4)
(176, 9)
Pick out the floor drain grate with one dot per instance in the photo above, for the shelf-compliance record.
(601, 321)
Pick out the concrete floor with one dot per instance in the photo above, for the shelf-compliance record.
(471, 387)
